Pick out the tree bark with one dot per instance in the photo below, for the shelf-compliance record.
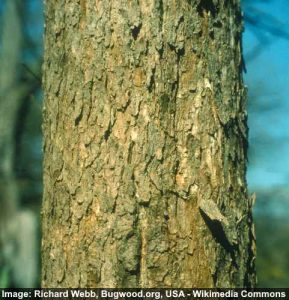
(145, 140)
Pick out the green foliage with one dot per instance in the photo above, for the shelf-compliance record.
(273, 252)
(4, 278)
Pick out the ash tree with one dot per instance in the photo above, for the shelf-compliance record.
(145, 141)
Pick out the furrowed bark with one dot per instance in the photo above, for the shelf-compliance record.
(145, 140)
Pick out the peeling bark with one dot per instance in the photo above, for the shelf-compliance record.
(145, 139)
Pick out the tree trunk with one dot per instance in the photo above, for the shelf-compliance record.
(145, 141)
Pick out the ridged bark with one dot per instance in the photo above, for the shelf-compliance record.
(145, 141)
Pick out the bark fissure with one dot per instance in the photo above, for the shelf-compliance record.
(206, 6)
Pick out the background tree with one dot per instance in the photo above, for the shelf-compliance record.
(145, 146)
(18, 222)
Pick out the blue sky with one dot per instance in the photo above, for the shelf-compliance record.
(267, 78)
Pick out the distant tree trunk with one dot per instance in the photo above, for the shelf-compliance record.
(18, 228)
(10, 102)
(145, 141)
